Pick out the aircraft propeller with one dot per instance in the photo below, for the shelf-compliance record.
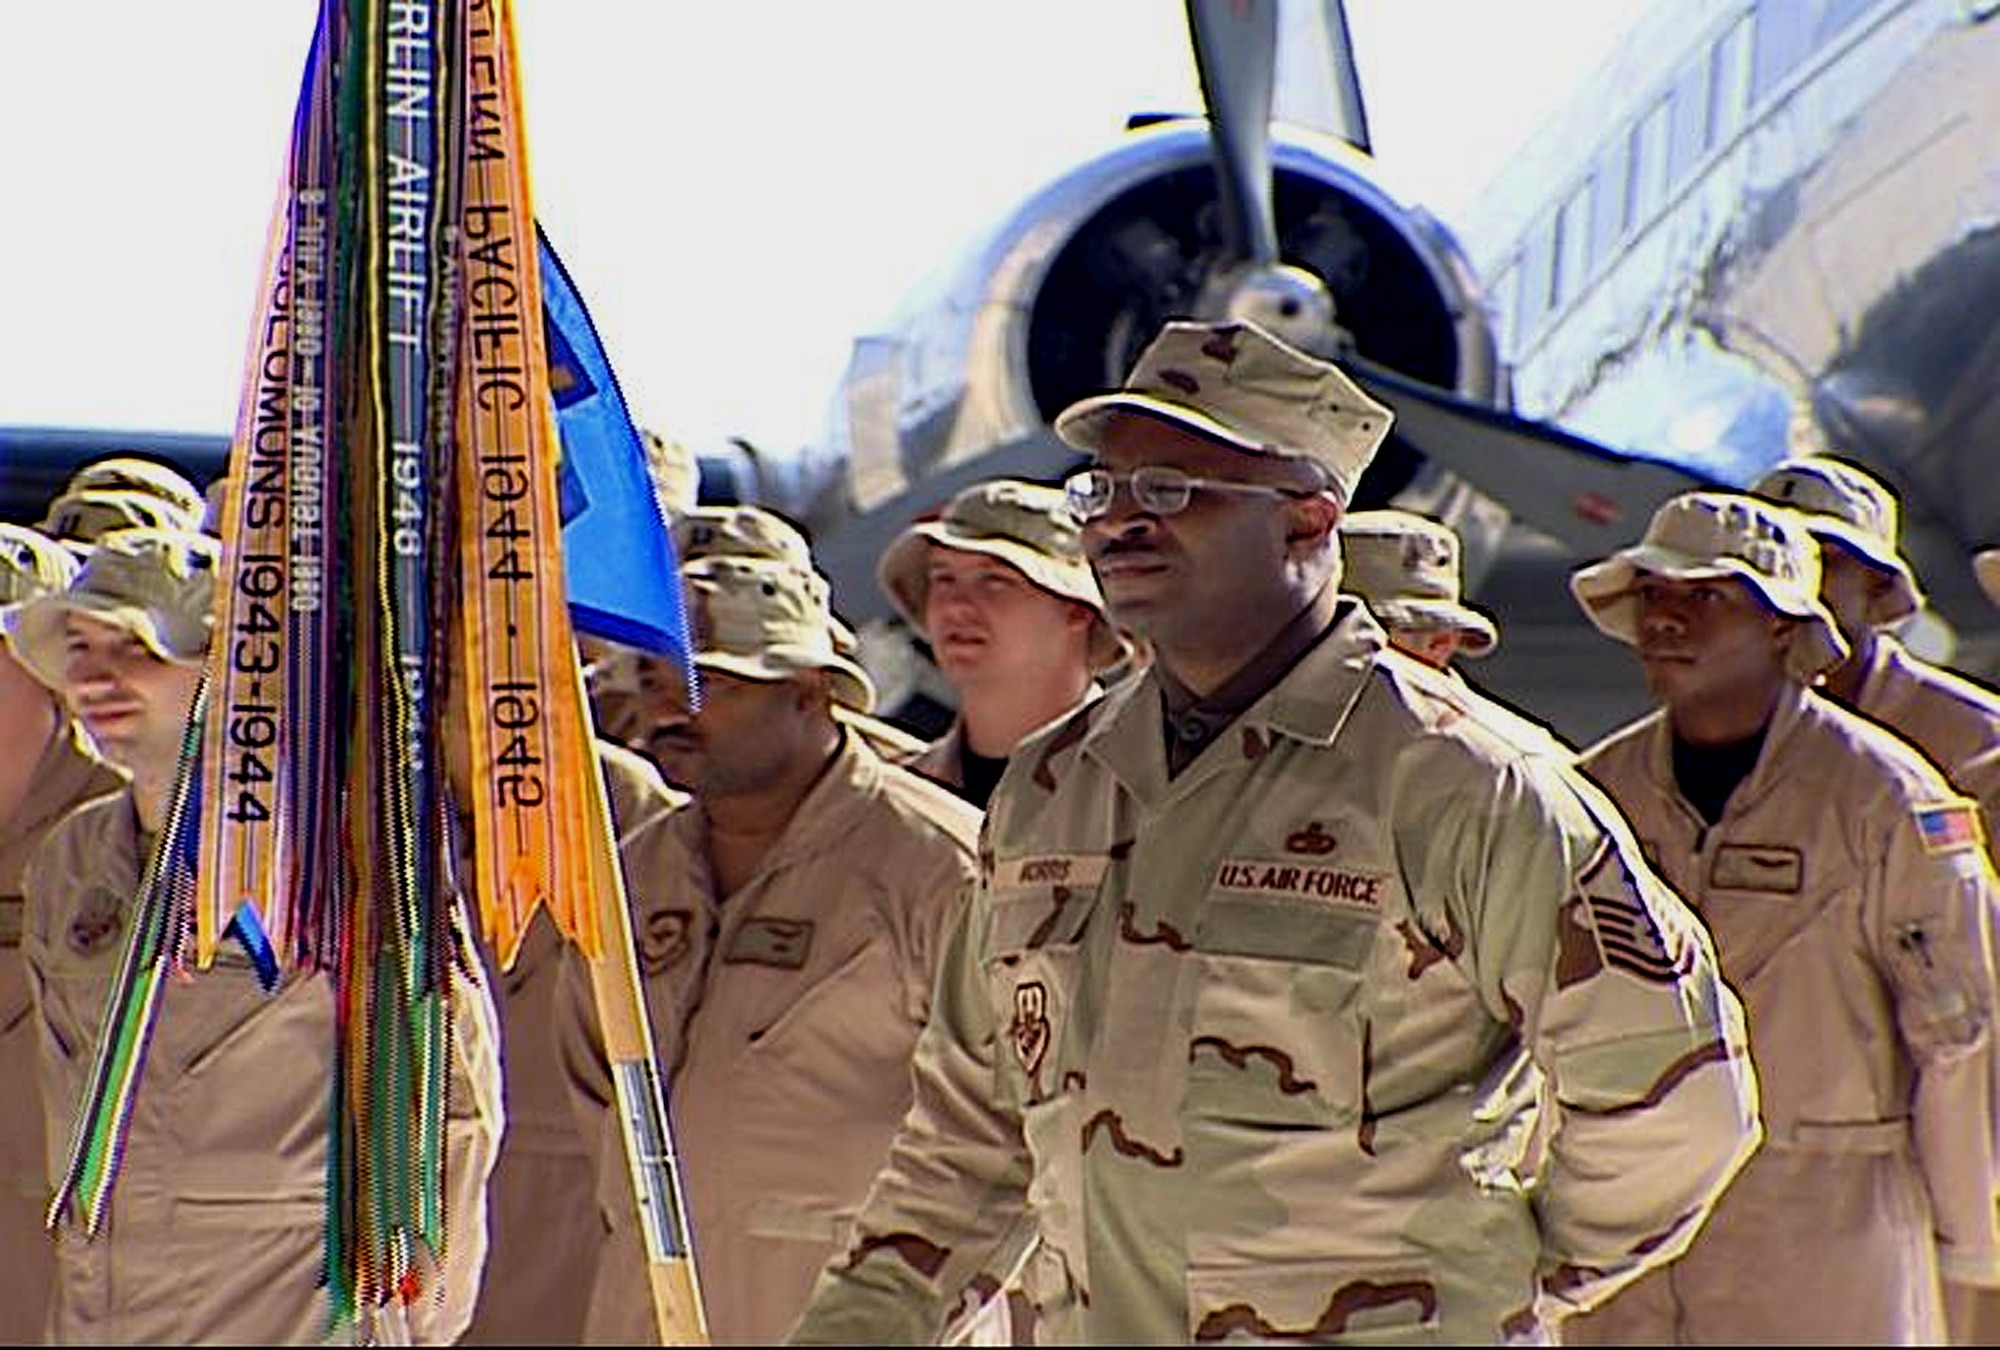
(1236, 52)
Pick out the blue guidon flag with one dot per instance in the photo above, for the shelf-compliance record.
(618, 555)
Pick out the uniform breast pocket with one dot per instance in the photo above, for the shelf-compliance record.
(223, 1021)
(847, 996)
(1277, 1025)
(76, 977)
(1032, 966)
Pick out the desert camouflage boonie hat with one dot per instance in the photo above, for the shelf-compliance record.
(1027, 526)
(753, 532)
(1407, 568)
(740, 532)
(1987, 568)
(1854, 509)
(148, 478)
(32, 565)
(1706, 535)
(765, 620)
(1236, 384)
(159, 585)
(77, 520)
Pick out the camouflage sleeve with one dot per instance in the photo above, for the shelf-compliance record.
(931, 910)
(954, 1184)
(1934, 944)
(1613, 987)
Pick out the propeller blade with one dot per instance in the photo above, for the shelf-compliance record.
(1318, 44)
(1235, 52)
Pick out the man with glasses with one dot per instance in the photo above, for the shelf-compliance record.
(1263, 938)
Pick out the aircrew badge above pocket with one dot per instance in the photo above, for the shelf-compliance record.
(1775, 869)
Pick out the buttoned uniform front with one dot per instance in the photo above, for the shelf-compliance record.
(546, 1227)
(216, 1225)
(1236, 1038)
(67, 774)
(784, 1017)
(1855, 928)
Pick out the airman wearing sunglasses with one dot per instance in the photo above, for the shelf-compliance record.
(1262, 938)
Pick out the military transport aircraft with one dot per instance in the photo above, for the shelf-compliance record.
(1762, 223)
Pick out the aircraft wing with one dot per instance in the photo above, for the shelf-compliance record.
(1594, 499)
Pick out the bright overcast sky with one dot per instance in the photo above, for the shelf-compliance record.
(738, 188)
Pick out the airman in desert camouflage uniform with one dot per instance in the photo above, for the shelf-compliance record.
(1850, 901)
(1261, 935)
(77, 520)
(1406, 568)
(1870, 591)
(147, 478)
(746, 532)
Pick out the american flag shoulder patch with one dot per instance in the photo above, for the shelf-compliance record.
(1948, 827)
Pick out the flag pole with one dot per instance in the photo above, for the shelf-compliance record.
(643, 1119)
(519, 628)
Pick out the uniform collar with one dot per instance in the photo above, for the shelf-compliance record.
(826, 815)
(1308, 703)
(1886, 663)
(1792, 708)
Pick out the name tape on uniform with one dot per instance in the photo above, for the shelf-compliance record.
(1343, 886)
(1051, 869)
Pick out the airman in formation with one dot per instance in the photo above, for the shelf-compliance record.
(1229, 967)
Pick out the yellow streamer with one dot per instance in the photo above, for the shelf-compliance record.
(536, 818)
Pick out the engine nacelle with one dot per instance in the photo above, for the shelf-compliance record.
(1059, 300)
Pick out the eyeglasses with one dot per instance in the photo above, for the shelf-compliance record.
(1156, 488)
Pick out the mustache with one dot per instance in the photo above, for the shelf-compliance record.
(672, 738)
(1125, 548)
